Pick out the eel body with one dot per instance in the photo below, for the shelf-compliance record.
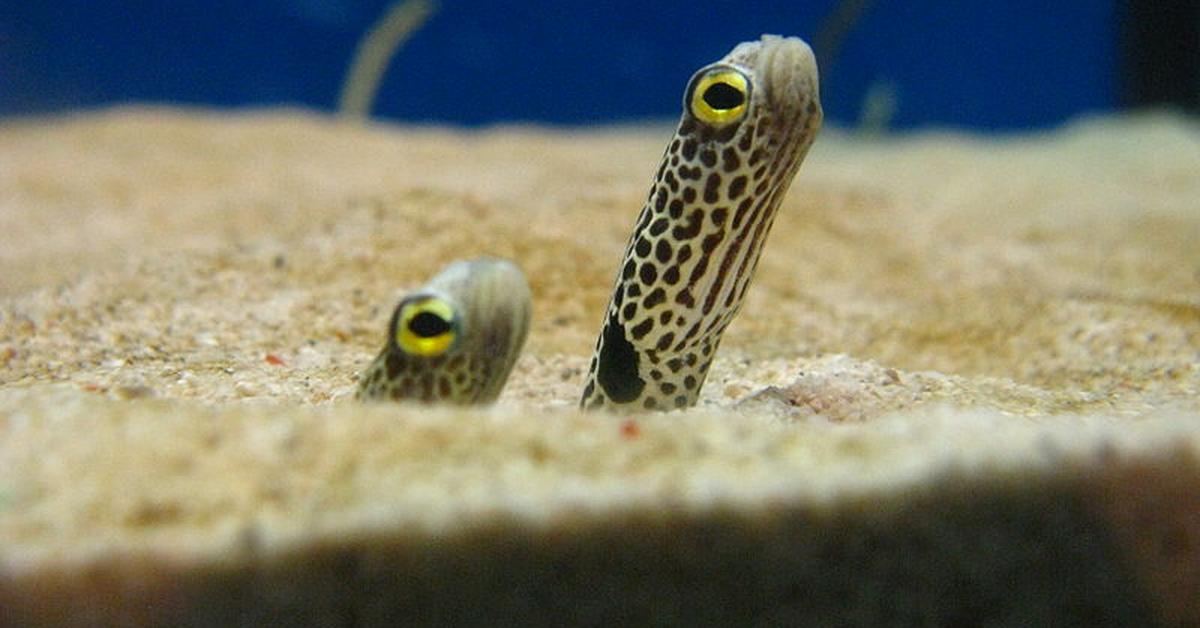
(455, 339)
(748, 121)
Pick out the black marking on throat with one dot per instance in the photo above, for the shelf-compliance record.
(617, 371)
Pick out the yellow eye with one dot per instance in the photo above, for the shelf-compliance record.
(426, 327)
(720, 96)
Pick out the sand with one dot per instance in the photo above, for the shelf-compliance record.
(963, 387)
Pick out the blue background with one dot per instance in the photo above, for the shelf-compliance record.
(990, 65)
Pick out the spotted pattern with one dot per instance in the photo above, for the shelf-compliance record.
(457, 378)
(492, 301)
(697, 240)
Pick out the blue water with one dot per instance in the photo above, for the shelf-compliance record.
(987, 65)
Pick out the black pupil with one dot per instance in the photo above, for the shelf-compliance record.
(428, 325)
(723, 96)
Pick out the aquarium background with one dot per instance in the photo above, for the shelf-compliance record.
(982, 65)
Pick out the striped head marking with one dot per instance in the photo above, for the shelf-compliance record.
(748, 121)
(455, 339)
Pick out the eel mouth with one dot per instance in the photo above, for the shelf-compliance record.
(788, 70)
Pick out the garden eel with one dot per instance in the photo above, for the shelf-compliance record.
(455, 339)
(748, 121)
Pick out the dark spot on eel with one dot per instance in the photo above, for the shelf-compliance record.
(617, 371)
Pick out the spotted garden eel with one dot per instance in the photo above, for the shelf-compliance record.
(455, 339)
(748, 121)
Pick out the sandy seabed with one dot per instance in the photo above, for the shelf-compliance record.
(964, 386)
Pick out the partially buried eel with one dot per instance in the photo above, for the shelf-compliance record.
(748, 121)
(455, 339)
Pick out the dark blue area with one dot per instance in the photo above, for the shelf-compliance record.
(1015, 64)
